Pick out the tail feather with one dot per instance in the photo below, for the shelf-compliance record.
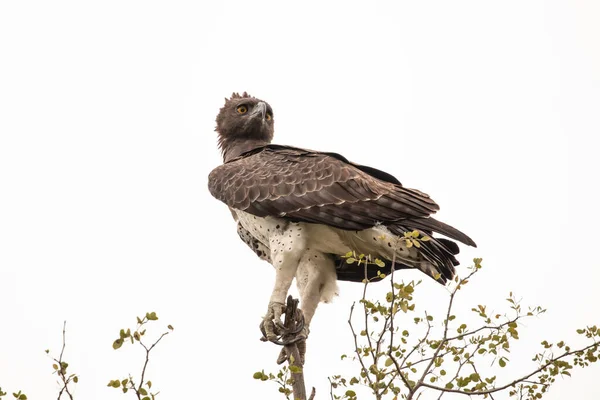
(433, 225)
(439, 252)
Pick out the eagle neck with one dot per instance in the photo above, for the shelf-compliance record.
(235, 147)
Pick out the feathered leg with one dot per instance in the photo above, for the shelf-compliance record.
(316, 280)
(286, 251)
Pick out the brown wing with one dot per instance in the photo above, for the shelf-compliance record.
(314, 187)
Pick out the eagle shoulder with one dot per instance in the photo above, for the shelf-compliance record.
(309, 186)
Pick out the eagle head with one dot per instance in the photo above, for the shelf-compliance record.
(246, 118)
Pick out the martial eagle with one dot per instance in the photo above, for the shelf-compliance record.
(303, 211)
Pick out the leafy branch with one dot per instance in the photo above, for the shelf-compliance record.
(142, 388)
(400, 363)
(17, 395)
(60, 368)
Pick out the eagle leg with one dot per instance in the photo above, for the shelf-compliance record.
(286, 249)
(316, 281)
(271, 325)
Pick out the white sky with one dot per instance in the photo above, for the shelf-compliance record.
(106, 139)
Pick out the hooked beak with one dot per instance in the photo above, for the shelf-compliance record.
(259, 109)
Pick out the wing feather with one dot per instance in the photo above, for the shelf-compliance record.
(314, 187)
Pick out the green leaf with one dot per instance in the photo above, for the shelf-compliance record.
(350, 393)
(75, 379)
(415, 233)
(258, 375)
(143, 391)
(116, 383)
(295, 369)
(403, 306)
(350, 260)
(170, 327)
(389, 362)
(116, 345)
(149, 383)
(501, 362)
(151, 316)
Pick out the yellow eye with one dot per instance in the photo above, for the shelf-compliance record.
(242, 109)
(269, 117)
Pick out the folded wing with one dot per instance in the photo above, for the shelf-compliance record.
(314, 187)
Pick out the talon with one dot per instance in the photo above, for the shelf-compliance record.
(271, 326)
(276, 310)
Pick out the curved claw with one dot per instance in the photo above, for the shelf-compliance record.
(276, 332)
(276, 310)
(271, 326)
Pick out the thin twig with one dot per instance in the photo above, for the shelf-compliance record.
(477, 372)
(360, 359)
(490, 327)
(148, 350)
(364, 303)
(444, 338)
(330, 388)
(61, 371)
(518, 380)
(402, 377)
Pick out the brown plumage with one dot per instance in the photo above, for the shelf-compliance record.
(264, 179)
(302, 210)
